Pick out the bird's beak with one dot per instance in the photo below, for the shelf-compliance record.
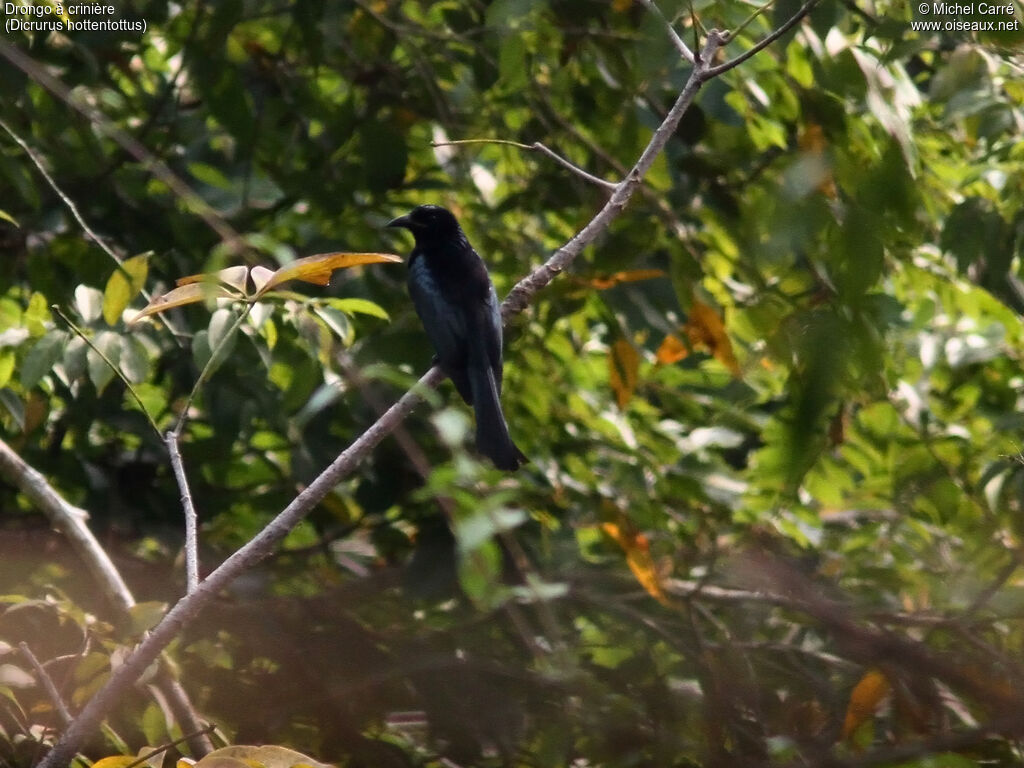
(402, 221)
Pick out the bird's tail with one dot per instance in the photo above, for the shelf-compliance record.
(492, 438)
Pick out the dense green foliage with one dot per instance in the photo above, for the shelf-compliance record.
(773, 415)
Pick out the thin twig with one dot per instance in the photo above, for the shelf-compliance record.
(763, 43)
(215, 358)
(110, 364)
(38, 163)
(191, 535)
(118, 261)
(261, 545)
(46, 681)
(677, 41)
(536, 147)
(127, 142)
(188, 737)
(70, 521)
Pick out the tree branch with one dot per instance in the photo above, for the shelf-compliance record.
(261, 546)
(677, 41)
(806, 8)
(536, 147)
(70, 521)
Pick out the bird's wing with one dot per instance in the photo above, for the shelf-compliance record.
(445, 324)
(492, 339)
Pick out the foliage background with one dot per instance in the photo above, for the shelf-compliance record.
(776, 405)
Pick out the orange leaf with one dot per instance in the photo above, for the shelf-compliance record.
(319, 268)
(865, 699)
(638, 558)
(672, 350)
(705, 328)
(623, 365)
(628, 276)
(184, 294)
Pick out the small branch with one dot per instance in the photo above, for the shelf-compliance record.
(257, 549)
(215, 357)
(127, 142)
(61, 194)
(47, 683)
(806, 8)
(191, 535)
(536, 147)
(118, 261)
(188, 737)
(110, 364)
(677, 41)
(521, 294)
(70, 521)
(262, 545)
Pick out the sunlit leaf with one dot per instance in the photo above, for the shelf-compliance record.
(88, 302)
(233, 277)
(270, 755)
(124, 285)
(355, 306)
(185, 294)
(115, 761)
(319, 268)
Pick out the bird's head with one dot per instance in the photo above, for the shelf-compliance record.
(428, 222)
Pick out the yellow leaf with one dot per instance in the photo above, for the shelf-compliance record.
(123, 286)
(117, 761)
(672, 350)
(319, 268)
(627, 276)
(621, 6)
(638, 558)
(185, 294)
(705, 329)
(623, 365)
(865, 699)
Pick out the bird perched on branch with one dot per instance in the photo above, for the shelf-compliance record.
(456, 301)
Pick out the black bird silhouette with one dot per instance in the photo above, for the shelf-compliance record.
(457, 304)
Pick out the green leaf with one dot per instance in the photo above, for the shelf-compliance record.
(482, 526)
(88, 302)
(6, 365)
(37, 315)
(124, 285)
(480, 573)
(153, 397)
(359, 307)
(100, 370)
(42, 357)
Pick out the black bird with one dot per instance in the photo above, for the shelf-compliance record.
(457, 304)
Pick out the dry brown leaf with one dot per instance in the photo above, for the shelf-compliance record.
(638, 558)
(623, 367)
(627, 276)
(184, 294)
(671, 350)
(705, 329)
